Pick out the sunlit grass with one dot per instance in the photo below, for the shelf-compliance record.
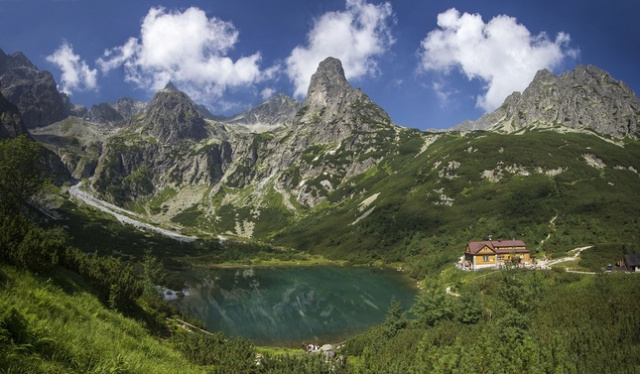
(81, 335)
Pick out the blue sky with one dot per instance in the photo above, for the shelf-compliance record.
(429, 64)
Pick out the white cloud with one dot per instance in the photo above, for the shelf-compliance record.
(76, 74)
(188, 49)
(502, 53)
(267, 93)
(355, 36)
(443, 92)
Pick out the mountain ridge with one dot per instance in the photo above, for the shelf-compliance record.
(33, 91)
(340, 178)
(587, 97)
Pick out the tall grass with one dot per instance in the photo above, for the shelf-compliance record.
(47, 329)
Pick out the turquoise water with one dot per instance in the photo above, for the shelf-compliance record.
(288, 305)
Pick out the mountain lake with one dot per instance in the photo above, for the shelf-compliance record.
(286, 306)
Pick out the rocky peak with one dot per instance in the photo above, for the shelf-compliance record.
(330, 96)
(33, 91)
(116, 113)
(103, 113)
(171, 87)
(128, 107)
(328, 84)
(586, 98)
(171, 116)
(278, 110)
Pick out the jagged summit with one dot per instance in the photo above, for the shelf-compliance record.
(113, 113)
(171, 87)
(586, 98)
(172, 116)
(330, 96)
(279, 109)
(328, 84)
(34, 92)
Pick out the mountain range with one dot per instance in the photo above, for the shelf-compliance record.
(555, 165)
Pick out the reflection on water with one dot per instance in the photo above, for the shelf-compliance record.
(288, 305)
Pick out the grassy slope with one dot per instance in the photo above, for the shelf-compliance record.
(410, 221)
(69, 330)
(568, 323)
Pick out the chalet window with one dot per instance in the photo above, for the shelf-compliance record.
(485, 258)
(500, 258)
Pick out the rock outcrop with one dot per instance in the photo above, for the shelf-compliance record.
(128, 107)
(171, 117)
(103, 113)
(278, 110)
(33, 91)
(587, 98)
(11, 124)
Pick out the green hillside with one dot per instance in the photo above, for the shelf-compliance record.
(509, 321)
(45, 328)
(426, 206)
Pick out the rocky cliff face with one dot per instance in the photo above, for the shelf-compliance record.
(247, 175)
(112, 114)
(166, 145)
(278, 110)
(587, 98)
(337, 134)
(103, 113)
(32, 90)
(171, 117)
(11, 124)
(128, 107)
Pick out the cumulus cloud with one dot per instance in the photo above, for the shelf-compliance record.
(267, 93)
(355, 36)
(76, 74)
(502, 53)
(187, 48)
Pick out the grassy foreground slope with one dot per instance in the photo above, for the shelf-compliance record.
(45, 328)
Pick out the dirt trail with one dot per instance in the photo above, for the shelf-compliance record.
(123, 215)
(573, 257)
(552, 225)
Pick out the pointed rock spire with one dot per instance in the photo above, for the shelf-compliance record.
(328, 84)
(171, 87)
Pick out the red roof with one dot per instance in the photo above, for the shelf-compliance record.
(498, 246)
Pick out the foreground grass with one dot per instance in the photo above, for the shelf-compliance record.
(47, 329)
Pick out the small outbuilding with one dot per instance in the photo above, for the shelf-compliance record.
(632, 262)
